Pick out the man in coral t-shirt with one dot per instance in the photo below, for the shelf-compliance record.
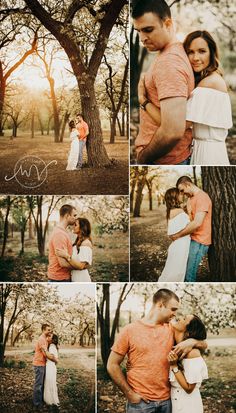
(39, 362)
(147, 343)
(59, 269)
(164, 88)
(83, 129)
(199, 207)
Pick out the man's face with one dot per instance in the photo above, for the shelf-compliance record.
(78, 119)
(185, 189)
(153, 32)
(47, 331)
(168, 310)
(72, 217)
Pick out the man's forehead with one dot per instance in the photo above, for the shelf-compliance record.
(173, 303)
(146, 20)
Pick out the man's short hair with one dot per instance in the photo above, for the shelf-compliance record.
(44, 326)
(158, 7)
(66, 209)
(183, 180)
(79, 114)
(164, 295)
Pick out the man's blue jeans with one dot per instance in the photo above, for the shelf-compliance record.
(38, 385)
(162, 406)
(185, 162)
(196, 253)
(82, 144)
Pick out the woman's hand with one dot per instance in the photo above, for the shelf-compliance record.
(62, 253)
(184, 347)
(142, 89)
(173, 359)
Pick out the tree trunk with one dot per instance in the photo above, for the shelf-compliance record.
(219, 183)
(41, 125)
(22, 235)
(194, 175)
(6, 224)
(63, 127)
(113, 128)
(31, 227)
(55, 109)
(105, 324)
(2, 98)
(150, 197)
(32, 124)
(140, 185)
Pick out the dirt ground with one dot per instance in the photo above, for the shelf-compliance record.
(110, 260)
(148, 247)
(111, 180)
(218, 392)
(75, 380)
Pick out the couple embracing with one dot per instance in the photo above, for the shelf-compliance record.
(190, 231)
(78, 135)
(165, 367)
(67, 261)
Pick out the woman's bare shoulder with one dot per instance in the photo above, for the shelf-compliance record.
(194, 353)
(214, 81)
(175, 211)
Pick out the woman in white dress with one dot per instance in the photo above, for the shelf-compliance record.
(186, 376)
(81, 257)
(209, 107)
(50, 395)
(74, 148)
(177, 219)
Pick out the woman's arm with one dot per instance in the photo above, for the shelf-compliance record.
(75, 264)
(180, 377)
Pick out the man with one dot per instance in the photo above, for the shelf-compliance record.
(199, 207)
(59, 270)
(167, 85)
(83, 130)
(39, 362)
(147, 343)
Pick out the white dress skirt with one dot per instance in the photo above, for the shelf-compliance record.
(74, 151)
(178, 251)
(195, 370)
(84, 255)
(50, 394)
(211, 114)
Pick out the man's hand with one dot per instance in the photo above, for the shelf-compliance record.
(184, 347)
(62, 253)
(135, 398)
(174, 237)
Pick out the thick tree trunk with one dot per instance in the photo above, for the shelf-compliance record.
(113, 128)
(219, 183)
(97, 155)
(150, 197)
(22, 237)
(140, 185)
(104, 320)
(63, 126)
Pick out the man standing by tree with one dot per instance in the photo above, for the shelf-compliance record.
(147, 343)
(59, 269)
(83, 130)
(39, 362)
(199, 207)
(167, 85)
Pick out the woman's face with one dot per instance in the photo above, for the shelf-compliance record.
(182, 322)
(199, 54)
(76, 227)
(49, 338)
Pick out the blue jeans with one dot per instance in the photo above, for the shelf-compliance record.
(38, 385)
(161, 406)
(185, 162)
(80, 158)
(196, 253)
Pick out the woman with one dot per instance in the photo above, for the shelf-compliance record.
(74, 148)
(82, 251)
(177, 219)
(50, 395)
(186, 377)
(209, 105)
(208, 108)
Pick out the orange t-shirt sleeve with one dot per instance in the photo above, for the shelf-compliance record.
(42, 344)
(121, 345)
(171, 78)
(202, 204)
(60, 242)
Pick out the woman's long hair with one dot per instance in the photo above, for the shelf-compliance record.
(72, 125)
(55, 340)
(85, 231)
(195, 329)
(171, 200)
(214, 55)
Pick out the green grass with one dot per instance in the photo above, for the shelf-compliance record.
(12, 364)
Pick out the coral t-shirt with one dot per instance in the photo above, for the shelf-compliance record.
(59, 239)
(201, 202)
(147, 347)
(39, 357)
(82, 128)
(170, 75)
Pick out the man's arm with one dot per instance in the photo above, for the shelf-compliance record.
(49, 355)
(63, 263)
(114, 370)
(191, 227)
(171, 130)
(184, 347)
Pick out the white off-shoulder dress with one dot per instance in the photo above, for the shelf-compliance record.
(176, 263)
(50, 395)
(195, 371)
(84, 255)
(74, 151)
(211, 114)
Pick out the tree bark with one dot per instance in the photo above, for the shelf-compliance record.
(140, 185)
(219, 183)
(6, 224)
(63, 126)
